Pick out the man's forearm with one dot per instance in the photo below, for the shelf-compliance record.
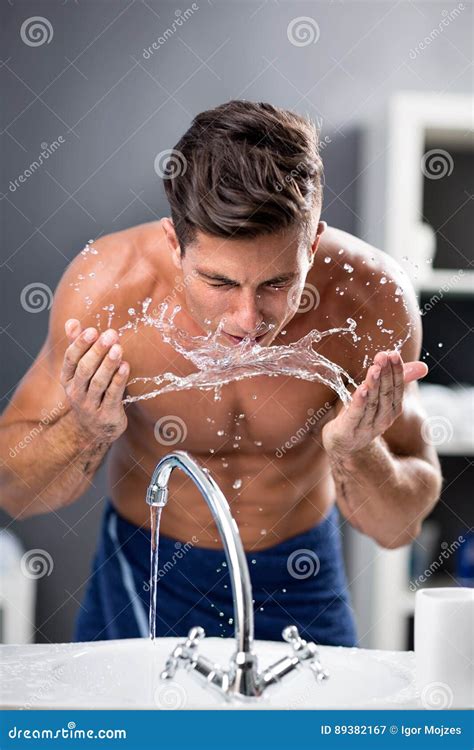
(52, 469)
(383, 495)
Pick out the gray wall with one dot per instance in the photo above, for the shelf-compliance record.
(115, 110)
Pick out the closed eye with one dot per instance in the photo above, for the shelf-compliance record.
(225, 283)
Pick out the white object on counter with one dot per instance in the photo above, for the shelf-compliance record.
(17, 592)
(444, 646)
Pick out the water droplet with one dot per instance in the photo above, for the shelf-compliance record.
(220, 433)
(258, 443)
(347, 268)
(237, 484)
(263, 532)
(383, 280)
(327, 259)
(440, 345)
(253, 562)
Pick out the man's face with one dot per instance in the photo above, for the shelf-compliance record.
(253, 285)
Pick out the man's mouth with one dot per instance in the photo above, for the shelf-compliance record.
(239, 339)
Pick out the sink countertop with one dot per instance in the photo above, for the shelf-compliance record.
(125, 674)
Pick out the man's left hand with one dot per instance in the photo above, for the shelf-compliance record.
(375, 405)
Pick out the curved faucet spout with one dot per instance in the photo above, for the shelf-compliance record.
(157, 496)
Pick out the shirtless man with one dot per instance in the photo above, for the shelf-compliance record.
(244, 244)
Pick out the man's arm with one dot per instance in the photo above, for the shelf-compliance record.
(65, 413)
(387, 476)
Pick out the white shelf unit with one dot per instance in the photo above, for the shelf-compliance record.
(391, 209)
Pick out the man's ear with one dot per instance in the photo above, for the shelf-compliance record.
(172, 241)
(322, 225)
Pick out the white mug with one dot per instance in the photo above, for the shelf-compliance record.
(444, 647)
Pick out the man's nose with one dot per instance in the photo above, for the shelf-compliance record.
(247, 315)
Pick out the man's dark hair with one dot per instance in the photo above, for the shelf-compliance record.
(242, 170)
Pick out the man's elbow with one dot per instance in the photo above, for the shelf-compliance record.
(430, 491)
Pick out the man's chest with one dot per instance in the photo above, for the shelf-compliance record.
(255, 415)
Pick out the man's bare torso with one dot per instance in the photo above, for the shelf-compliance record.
(262, 440)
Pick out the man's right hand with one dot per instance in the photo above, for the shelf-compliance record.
(94, 377)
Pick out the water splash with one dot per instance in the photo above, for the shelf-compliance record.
(218, 364)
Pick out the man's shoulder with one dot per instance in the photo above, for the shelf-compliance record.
(112, 274)
(363, 270)
(364, 283)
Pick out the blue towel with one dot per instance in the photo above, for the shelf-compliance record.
(299, 581)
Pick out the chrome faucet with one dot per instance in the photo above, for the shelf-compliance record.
(242, 677)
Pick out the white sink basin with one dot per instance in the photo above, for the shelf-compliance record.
(126, 674)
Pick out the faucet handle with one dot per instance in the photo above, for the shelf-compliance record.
(183, 652)
(306, 652)
(291, 635)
